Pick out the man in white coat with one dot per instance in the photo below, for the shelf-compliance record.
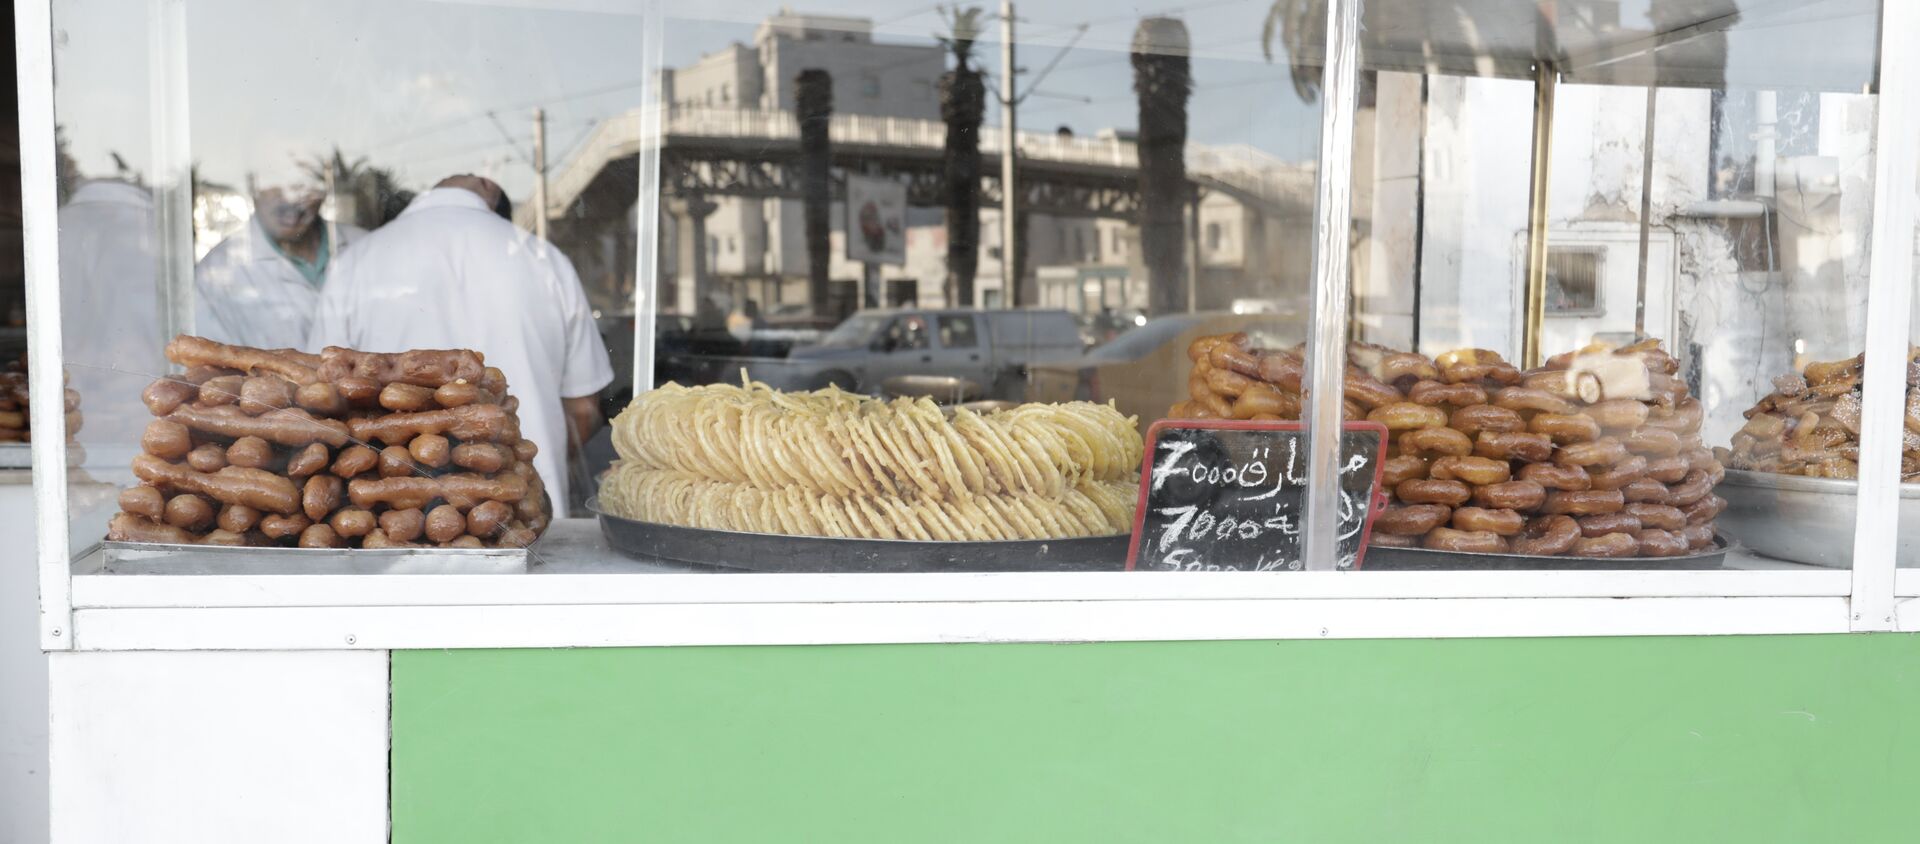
(451, 273)
(260, 287)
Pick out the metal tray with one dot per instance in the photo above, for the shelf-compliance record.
(1421, 559)
(20, 455)
(1807, 520)
(767, 552)
(158, 558)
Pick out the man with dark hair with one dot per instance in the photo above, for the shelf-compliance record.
(450, 273)
(259, 287)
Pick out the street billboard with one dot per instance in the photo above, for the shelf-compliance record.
(876, 220)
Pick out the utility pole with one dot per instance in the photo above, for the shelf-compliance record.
(1009, 127)
(540, 173)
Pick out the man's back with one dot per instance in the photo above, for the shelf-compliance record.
(449, 273)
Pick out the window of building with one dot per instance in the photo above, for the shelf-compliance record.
(1573, 280)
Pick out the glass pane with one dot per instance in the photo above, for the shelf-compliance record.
(1707, 205)
(808, 200)
(292, 176)
(855, 152)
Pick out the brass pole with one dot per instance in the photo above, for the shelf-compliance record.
(1535, 303)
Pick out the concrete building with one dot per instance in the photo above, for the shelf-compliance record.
(756, 248)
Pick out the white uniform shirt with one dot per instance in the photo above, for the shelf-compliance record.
(110, 308)
(448, 273)
(246, 292)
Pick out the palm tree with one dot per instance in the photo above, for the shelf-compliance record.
(1163, 81)
(963, 105)
(813, 93)
(367, 196)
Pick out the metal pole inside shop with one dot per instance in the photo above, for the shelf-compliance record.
(1009, 134)
(1327, 333)
(1646, 213)
(646, 229)
(1544, 79)
(540, 173)
(172, 148)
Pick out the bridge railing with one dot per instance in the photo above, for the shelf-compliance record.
(1242, 166)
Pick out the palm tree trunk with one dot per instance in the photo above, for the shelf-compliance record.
(814, 95)
(963, 105)
(1163, 81)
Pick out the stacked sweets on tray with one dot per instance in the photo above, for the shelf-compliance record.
(16, 422)
(1810, 424)
(832, 463)
(1595, 454)
(343, 449)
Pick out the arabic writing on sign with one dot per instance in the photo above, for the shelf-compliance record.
(1232, 499)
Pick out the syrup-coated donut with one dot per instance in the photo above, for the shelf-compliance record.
(1450, 493)
(1458, 395)
(1619, 474)
(1435, 442)
(1407, 416)
(1472, 542)
(1403, 467)
(1565, 428)
(1601, 452)
(1659, 516)
(1514, 445)
(1661, 543)
(1605, 523)
(1618, 414)
(1547, 536)
(1528, 398)
(1611, 545)
(1551, 476)
(1473, 419)
(1501, 522)
(1411, 519)
(1473, 470)
(1586, 502)
(1524, 496)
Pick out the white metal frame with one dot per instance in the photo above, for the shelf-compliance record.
(33, 49)
(108, 612)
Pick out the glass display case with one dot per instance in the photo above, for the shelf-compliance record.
(579, 289)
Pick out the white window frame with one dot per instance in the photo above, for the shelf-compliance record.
(293, 612)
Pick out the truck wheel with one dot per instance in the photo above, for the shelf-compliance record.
(839, 378)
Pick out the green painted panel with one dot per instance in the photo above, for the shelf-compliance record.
(1565, 740)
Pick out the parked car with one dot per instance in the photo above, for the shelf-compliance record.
(991, 348)
(1144, 371)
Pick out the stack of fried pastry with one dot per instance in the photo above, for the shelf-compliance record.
(343, 449)
(832, 463)
(1810, 424)
(1595, 454)
(16, 422)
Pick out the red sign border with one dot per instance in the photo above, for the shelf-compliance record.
(1153, 436)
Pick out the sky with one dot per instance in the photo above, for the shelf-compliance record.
(411, 84)
(429, 88)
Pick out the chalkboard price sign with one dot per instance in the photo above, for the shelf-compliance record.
(1231, 496)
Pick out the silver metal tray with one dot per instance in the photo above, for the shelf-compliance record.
(1421, 559)
(20, 455)
(767, 552)
(1807, 520)
(157, 558)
